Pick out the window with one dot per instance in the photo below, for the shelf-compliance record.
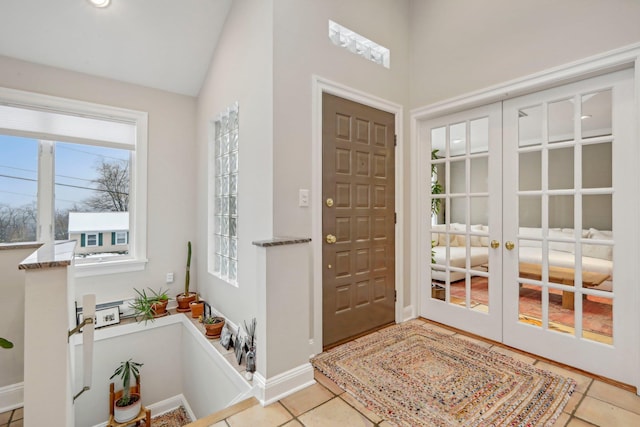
(92, 239)
(359, 45)
(121, 238)
(74, 170)
(223, 197)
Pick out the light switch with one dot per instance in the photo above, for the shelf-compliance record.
(303, 198)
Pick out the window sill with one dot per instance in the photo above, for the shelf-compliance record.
(110, 267)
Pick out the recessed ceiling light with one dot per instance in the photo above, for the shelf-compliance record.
(585, 116)
(100, 3)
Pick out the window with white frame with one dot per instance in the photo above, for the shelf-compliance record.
(121, 238)
(223, 196)
(61, 158)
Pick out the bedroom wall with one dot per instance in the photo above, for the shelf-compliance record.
(465, 45)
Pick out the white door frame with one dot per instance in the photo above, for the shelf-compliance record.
(625, 57)
(321, 85)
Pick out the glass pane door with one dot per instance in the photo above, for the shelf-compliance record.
(564, 210)
(462, 270)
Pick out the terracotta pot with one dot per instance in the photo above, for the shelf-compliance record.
(159, 308)
(213, 330)
(183, 301)
(197, 308)
(122, 414)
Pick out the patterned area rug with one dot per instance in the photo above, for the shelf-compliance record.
(176, 418)
(412, 376)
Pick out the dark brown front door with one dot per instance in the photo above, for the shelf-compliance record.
(358, 220)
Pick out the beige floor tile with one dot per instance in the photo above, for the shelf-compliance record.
(347, 397)
(306, 399)
(514, 354)
(293, 423)
(605, 414)
(4, 417)
(268, 416)
(573, 402)
(385, 424)
(562, 420)
(577, 422)
(616, 396)
(219, 424)
(582, 381)
(18, 423)
(334, 413)
(18, 414)
(327, 382)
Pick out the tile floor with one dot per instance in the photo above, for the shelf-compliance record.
(594, 403)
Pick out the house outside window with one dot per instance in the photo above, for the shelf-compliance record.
(223, 196)
(61, 156)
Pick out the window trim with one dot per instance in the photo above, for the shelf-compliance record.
(124, 234)
(86, 241)
(137, 240)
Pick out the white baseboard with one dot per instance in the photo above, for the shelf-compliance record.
(270, 390)
(166, 405)
(408, 313)
(11, 397)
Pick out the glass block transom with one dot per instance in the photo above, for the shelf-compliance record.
(226, 132)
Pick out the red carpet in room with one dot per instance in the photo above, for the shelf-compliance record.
(597, 312)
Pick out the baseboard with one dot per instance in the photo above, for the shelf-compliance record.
(408, 313)
(11, 397)
(270, 390)
(166, 405)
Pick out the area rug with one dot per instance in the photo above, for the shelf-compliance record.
(175, 418)
(413, 376)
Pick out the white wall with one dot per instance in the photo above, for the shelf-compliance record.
(171, 171)
(464, 45)
(241, 70)
(12, 315)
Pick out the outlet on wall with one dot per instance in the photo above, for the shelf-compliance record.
(169, 278)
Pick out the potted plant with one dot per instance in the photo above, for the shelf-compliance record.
(186, 297)
(213, 326)
(4, 343)
(197, 307)
(127, 407)
(148, 307)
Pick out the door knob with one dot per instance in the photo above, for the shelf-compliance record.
(331, 239)
(509, 245)
(495, 244)
(329, 202)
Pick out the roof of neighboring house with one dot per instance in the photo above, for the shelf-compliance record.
(81, 222)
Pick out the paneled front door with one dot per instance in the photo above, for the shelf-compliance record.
(358, 220)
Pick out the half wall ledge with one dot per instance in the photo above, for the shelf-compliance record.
(281, 241)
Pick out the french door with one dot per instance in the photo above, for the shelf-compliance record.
(530, 236)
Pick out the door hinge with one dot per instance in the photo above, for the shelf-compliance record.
(395, 217)
(395, 296)
(395, 140)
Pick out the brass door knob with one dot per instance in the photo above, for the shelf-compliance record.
(331, 239)
(495, 244)
(329, 202)
(509, 245)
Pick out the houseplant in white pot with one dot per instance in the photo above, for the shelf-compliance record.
(127, 407)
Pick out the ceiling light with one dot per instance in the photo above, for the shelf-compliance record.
(100, 3)
(585, 116)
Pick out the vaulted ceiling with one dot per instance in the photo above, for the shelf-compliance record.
(164, 44)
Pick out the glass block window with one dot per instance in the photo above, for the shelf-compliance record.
(359, 45)
(225, 195)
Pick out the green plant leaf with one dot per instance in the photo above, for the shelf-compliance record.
(4, 343)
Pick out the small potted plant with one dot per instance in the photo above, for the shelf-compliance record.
(213, 326)
(148, 307)
(186, 297)
(197, 307)
(4, 343)
(127, 407)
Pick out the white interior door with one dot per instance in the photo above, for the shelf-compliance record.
(461, 273)
(570, 174)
